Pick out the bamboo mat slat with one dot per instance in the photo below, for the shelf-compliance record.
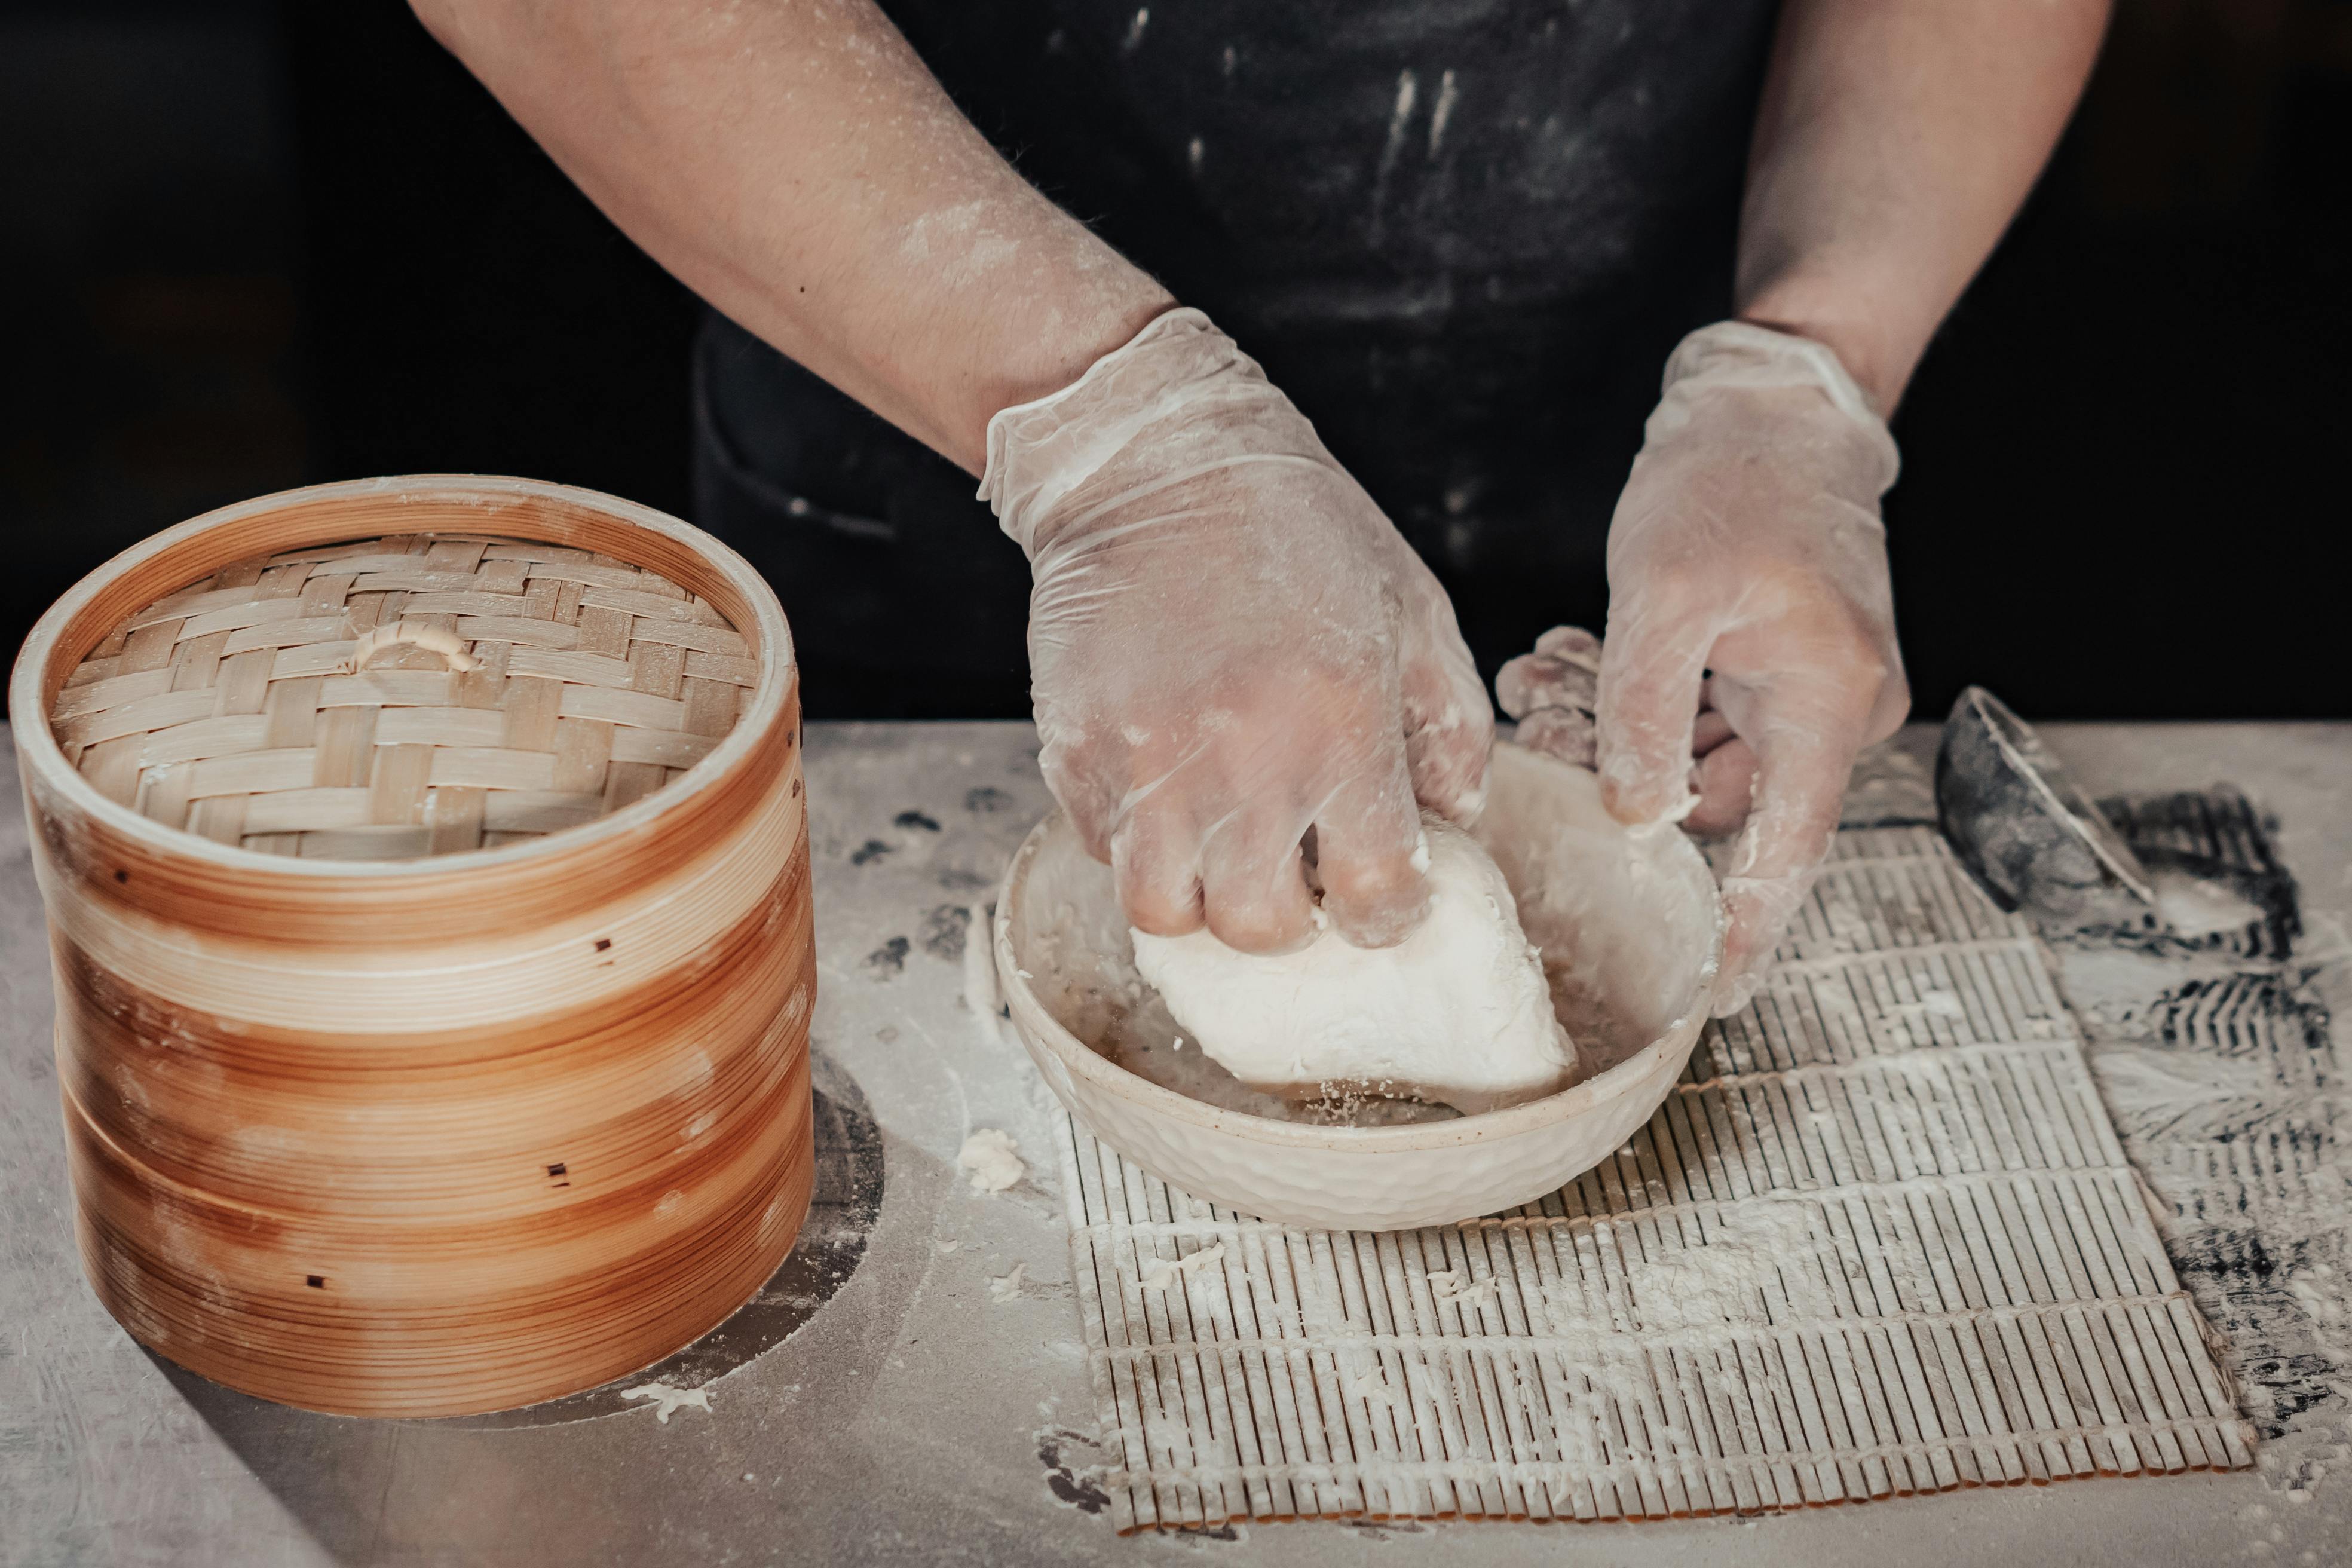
(1880, 1240)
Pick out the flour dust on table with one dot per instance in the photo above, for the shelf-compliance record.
(1880, 1239)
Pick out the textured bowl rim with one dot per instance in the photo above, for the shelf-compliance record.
(37, 742)
(1533, 1116)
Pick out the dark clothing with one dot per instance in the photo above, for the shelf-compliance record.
(1462, 234)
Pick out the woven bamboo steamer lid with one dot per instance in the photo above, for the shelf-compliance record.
(516, 1112)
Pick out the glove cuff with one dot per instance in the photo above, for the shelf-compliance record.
(1742, 354)
(1041, 451)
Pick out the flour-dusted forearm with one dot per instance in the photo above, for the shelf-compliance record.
(1895, 142)
(796, 166)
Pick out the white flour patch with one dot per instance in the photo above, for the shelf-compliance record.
(1751, 1254)
(1443, 115)
(2195, 906)
(993, 1158)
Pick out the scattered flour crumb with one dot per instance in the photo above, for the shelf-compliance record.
(1452, 1289)
(1166, 1271)
(1007, 1287)
(1934, 1004)
(949, 1244)
(666, 1399)
(1373, 1389)
(994, 1159)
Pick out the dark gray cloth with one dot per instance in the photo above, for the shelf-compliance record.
(1461, 234)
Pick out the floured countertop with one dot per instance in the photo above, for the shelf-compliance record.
(919, 1391)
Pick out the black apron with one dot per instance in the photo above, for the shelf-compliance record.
(1462, 234)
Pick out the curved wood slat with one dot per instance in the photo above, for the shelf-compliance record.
(449, 1134)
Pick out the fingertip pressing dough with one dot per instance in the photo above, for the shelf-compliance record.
(1458, 1013)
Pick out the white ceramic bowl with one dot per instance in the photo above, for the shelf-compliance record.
(1629, 927)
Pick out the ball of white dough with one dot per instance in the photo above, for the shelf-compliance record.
(1458, 1013)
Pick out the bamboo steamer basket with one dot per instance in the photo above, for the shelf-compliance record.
(519, 1112)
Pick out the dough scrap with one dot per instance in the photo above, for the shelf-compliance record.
(1458, 1013)
(666, 1399)
(994, 1159)
(433, 640)
(1165, 1271)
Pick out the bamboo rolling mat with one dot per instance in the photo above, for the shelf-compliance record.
(400, 697)
(1880, 1240)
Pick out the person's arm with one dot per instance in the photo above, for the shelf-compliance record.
(1893, 143)
(1746, 562)
(796, 166)
(1229, 643)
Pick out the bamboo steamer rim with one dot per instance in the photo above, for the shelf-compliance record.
(81, 618)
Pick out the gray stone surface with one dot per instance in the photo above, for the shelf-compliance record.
(916, 1417)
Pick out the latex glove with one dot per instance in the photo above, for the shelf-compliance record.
(1229, 645)
(1747, 572)
(1554, 693)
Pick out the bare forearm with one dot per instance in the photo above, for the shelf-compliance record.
(1895, 141)
(798, 167)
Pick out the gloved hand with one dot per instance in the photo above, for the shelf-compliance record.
(1554, 693)
(1229, 645)
(1747, 573)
